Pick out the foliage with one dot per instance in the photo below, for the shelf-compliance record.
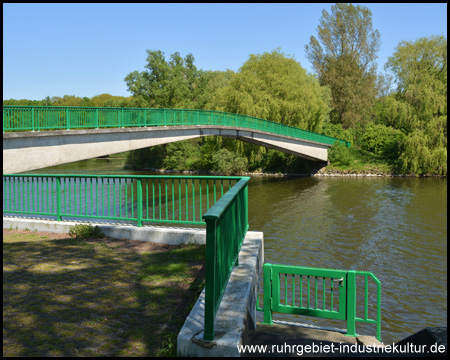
(419, 108)
(339, 154)
(229, 163)
(176, 83)
(345, 61)
(274, 87)
(337, 131)
(85, 231)
(148, 158)
(183, 155)
(279, 162)
(383, 140)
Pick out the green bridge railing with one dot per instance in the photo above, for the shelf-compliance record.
(36, 118)
(219, 202)
(325, 293)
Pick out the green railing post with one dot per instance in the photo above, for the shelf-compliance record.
(139, 203)
(96, 118)
(32, 119)
(58, 199)
(267, 271)
(210, 278)
(67, 119)
(351, 303)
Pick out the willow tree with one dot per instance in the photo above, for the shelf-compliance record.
(275, 87)
(344, 58)
(419, 107)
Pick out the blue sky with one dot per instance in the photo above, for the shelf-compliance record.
(88, 49)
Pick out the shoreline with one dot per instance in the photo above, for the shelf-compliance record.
(320, 173)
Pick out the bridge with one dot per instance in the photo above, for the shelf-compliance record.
(39, 137)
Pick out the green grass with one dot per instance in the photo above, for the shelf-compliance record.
(72, 297)
(365, 162)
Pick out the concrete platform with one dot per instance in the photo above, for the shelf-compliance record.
(157, 234)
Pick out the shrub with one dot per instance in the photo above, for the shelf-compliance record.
(337, 131)
(339, 154)
(229, 163)
(383, 140)
(85, 231)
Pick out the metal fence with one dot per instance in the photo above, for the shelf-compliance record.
(36, 118)
(226, 226)
(162, 199)
(325, 293)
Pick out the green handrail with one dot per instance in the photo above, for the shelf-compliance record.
(339, 302)
(226, 226)
(36, 118)
(140, 198)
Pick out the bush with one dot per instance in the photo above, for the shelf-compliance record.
(229, 163)
(339, 154)
(337, 131)
(183, 155)
(84, 231)
(383, 140)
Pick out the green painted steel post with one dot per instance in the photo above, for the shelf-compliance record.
(351, 303)
(96, 118)
(58, 199)
(32, 119)
(139, 202)
(210, 278)
(67, 119)
(267, 271)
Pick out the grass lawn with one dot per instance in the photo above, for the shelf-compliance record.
(366, 162)
(104, 297)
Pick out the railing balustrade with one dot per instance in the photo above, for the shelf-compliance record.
(37, 118)
(325, 293)
(162, 199)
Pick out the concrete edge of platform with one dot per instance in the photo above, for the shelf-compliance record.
(237, 311)
(162, 235)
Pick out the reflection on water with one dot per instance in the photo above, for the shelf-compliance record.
(393, 227)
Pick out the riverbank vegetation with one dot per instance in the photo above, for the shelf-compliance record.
(396, 120)
(67, 296)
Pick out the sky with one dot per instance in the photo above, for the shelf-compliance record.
(88, 49)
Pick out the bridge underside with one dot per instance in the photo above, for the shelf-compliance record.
(25, 151)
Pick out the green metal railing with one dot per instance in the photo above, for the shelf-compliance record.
(162, 199)
(36, 118)
(325, 293)
(226, 226)
(219, 202)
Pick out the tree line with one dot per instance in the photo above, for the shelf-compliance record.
(398, 116)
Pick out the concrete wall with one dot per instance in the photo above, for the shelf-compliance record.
(25, 151)
(237, 312)
(162, 235)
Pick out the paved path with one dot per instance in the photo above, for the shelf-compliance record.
(284, 340)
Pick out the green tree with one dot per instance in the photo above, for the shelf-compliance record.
(275, 87)
(419, 107)
(176, 83)
(344, 59)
